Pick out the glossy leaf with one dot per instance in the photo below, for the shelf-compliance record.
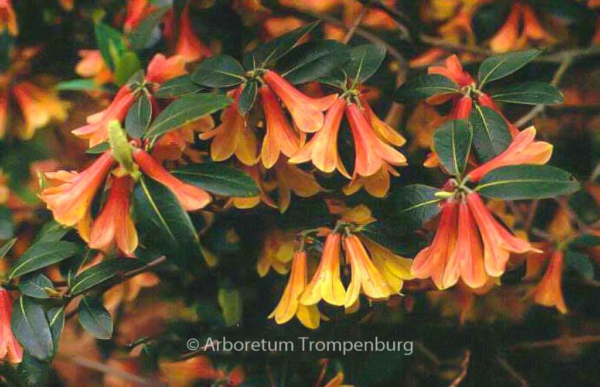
(413, 204)
(500, 66)
(177, 87)
(51, 232)
(41, 255)
(365, 60)
(247, 97)
(102, 273)
(98, 149)
(491, 135)
(218, 71)
(580, 263)
(56, 320)
(313, 60)
(529, 93)
(35, 286)
(424, 87)
(7, 226)
(94, 318)
(78, 85)
(140, 37)
(110, 42)
(31, 328)
(452, 143)
(139, 116)
(125, 67)
(6, 247)
(218, 179)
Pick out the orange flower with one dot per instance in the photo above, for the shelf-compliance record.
(190, 197)
(3, 113)
(8, 18)
(114, 224)
(292, 179)
(10, 349)
(326, 284)
(161, 68)
(307, 112)
(92, 65)
(188, 44)
(376, 185)
(96, 131)
(280, 137)
(277, 252)
(71, 200)
(289, 305)
(381, 128)
(549, 291)
(469, 250)
(233, 136)
(137, 10)
(394, 268)
(523, 150)
(453, 70)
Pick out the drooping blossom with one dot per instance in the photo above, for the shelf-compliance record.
(10, 349)
(394, 268)
(137, 11)
(189, 45)
(92, 65)
(8, 18)
(277, 252)
(291, 179)
(161, 69)
(549, 291)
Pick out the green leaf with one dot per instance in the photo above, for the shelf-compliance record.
(585, 206)
(139, 116)
(111, 43)
(56, 319)
(31, 328)
(126, 66)
(516, 182)
(529, 93)
(231, 304)
(580, 263)
(78, 85)
(177, 87)
(102, 273)
(452, 143)
(490, 133)
(247, 97)
(41, 255)
(586, 241)
(34, 372)
(98, 149)
(187, 109)
(412, 205)
(313, 60)
(6, 247)
(35, 286)
(140, 37)
(365, 60)
(274, 49)
(424, 87)
(500, 66)
(219, 71)
(94, 318)
(7, 226)
(164, 226)
(51, 232)
(218, 179)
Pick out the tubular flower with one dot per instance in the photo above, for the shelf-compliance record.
(278, 250)
(326, 284)
(453, 70)
(322, 148)
(161, 68)
(292, 179)
(376, 185)
(114, 224)
(92, 65)
(549, 291)
(280, 136)
(306, 112)
(70, 201)
(10, 349)
(381, 128)
(289, 305)
(395, 269)
(190, 197)
(371, 152)
(523, 150)
(233, 136)
(96, 131)
(137, 10)
(188, 44)
(8, 18)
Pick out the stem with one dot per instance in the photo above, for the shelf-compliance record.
(355, 24)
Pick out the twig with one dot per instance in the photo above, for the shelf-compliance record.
(556, 342)
(427, 352)
(512, 372)
(125, 376)
(355, 25)
(464, 366)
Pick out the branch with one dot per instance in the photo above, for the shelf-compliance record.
(464, 366)
(512, 372)
(355, 25)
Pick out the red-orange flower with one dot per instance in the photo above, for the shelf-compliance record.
(161, 68)
(188, 44)
(137, 10)
(92, 65)
(114, 224)
(549, 291)
(453, 70)
(191, 197)
(10, 349)
(306, 112)
(8, 18)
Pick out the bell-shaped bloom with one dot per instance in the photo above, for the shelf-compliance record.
(523, 150)
(137, 10)
(39, 107)
(8, 18)
(322, 148)
(462, 108)
(10, 349)
(395, 269)
(365, 275)
(453, 70)
(306, 112)
(96, 131)
(326, 283)
(188, 44)
(114, 224)
(520, 27)
(280, 137)
(190, 197)
(92, 65)
(376, 185)
(292, 179)
(469, 250)
(549, 291)
(161, 68)
(277, 252)
(233, 136)
(3, 114)
(381, 128)
(70, 201)
(289, 305)
(371, 152)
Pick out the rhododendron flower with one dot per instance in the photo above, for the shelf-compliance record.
(10, 349)
(161, 69)
(70, 201)
(190, 197)
(137, 10)
(292, 179)
(114, 224)
(549, 291)
(233, 136)
(8, 18)
(395, 269)
(289, 305)
(277, 252)
(376, 185)
(381, 128)
(326, 283)
(177, 143)
(306, 112)
(454, 71)
(523, 150)
(188, 44)
(92, 65)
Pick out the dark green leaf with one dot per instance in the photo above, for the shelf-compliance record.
(7, 226)
(414, 204)
(78, 85)
(139, 116)
(110, 43)
(51, 232)
(274, 49)
(586, 241)
(187, 109)
(56, 320)
(500, 66)
(125, 67)
(6, 247)
(177, 87)
(231, 305)
(424, 87)
(365, 61)
(490, 133)
(247, 97)
(102, 273)
(218, 179)
(94, 318)
(98, 149)
(32, 329)
(452, 143)
(312, 60)
(518, 182)
(41, 255)
(140, 37)
(34, 372)
(35, 286)
(529, 93)
(164, 226)
(585, 206)
(580, 263)
(218, 71)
